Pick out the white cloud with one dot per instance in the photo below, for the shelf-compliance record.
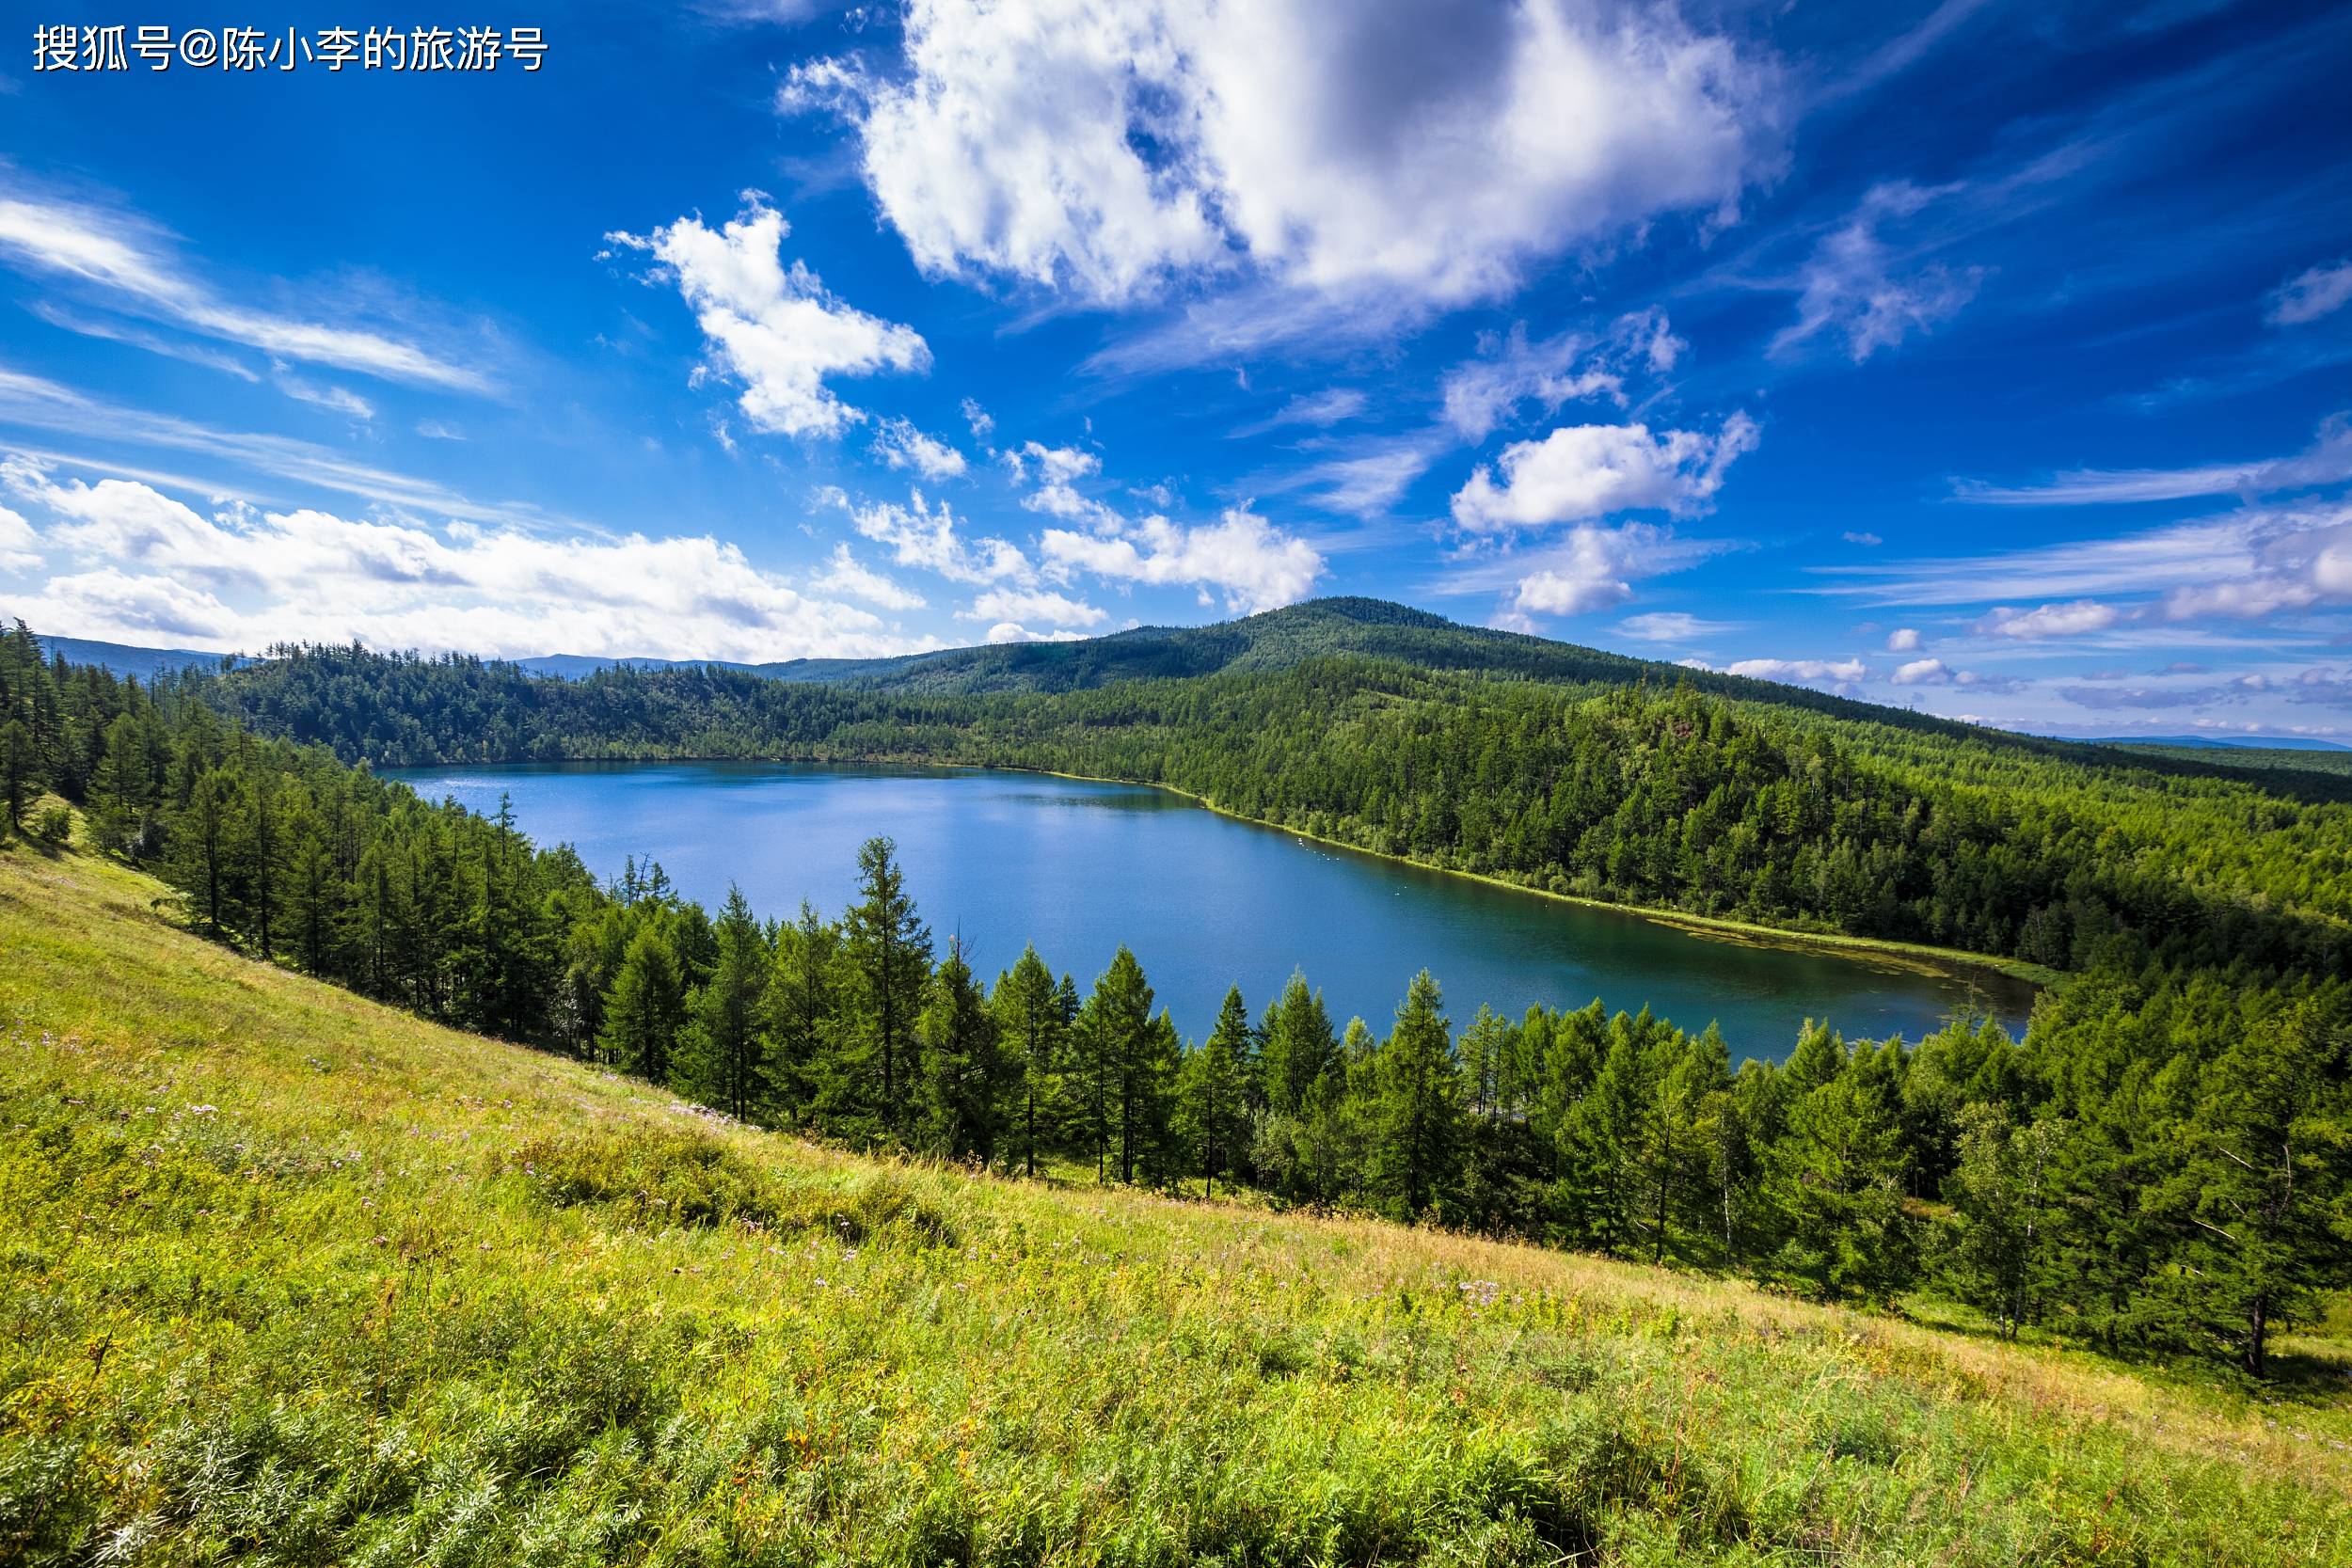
(248, 577)
(1368, 484)
(921, 536)
(129, 261)
(1107, 146)
(17, 542)
(2326, 461)
(1012, 631)
(1850, 284)
(984, 424)
(29, 401)
(1834, 672)
(901, 446)
(2321, 290)
(335, 400)
(440, 430)
(1055, 472)
(1865, 540)
(1673, 625)
(1481, 393)
(1321, 410)
(1902, 639)
(1582, 471)
(2051, 619)
(845, 574)
(1594, 568)
(774, 328)
(1922, 671)
(1027, 604)
(1253, 565)
(121, 332)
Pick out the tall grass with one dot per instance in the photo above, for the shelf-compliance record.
(287, 1277)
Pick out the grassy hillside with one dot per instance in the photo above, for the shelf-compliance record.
(292, 1276)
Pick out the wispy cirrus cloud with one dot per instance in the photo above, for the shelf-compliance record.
(130, 266)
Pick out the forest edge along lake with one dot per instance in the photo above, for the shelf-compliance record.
(1206, 899)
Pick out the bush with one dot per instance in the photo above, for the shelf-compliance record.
(53, 823)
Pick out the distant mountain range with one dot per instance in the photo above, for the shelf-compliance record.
(1274, 639)
(2224, 743)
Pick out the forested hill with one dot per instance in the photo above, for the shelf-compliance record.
(1796, 811)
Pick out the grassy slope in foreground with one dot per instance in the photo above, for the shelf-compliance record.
(288, 1273)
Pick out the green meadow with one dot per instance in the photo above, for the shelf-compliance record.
(290, 1277)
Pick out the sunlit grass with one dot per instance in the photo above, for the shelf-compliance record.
(285, 1275)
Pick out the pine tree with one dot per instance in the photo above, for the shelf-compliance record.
(963, 1071)
(646, 1005)
(802, 1003)
(1416, 1143)
(1210, 1108)
(1298, 1046)
(1028, 1009)
(1114, 1051)
(726, 1047)
(2266, 1171)
(891, 949)
(18, 764)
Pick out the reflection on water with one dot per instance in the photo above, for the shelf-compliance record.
(1204, 901)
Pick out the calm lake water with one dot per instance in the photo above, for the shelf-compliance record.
(1205, 901)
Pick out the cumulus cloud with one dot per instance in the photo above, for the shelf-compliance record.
(2321, 291)
(1837, 673)
(1031, 604)
(1902, 639)
(1858, 287)
(1921, 671)
(900, 445)
(1582, 471)
(919, 534)
(1595, 568)
(774, 329)
(130, 265)
(17, 542)
(1014, 631)
(1253, 565)
(2050, 620)
(158, 568)
(1108, 147)
(845, 574)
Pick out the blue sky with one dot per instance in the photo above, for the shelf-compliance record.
(1981, 357)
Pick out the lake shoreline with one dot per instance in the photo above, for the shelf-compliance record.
(1915, 958)
(1919, 958)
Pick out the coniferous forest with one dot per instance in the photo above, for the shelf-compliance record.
(2162, 1164)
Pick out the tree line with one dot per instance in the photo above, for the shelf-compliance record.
(1666, 797)
(2164, 1163)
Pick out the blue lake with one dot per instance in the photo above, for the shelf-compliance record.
(1205, 901)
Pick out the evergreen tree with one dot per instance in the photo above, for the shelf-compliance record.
(646, 1005)
(726, 1047)
(890, 948)
(1032, 1023)
(1416, 1141)
(18, 763)
(963, 1070)
(1210, 1094)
